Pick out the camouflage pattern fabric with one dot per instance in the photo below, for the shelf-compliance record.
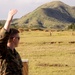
(2, 67)
(10, 61)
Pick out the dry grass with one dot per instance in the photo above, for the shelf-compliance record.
(46, 58)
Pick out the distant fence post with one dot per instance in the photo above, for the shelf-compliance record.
(25, 66)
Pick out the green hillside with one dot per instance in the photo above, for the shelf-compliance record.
(52, 15)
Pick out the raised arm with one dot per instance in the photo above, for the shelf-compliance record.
(9, 19)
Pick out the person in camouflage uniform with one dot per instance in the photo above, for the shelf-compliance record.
(10, 60)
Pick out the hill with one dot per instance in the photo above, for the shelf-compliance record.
(52, 15)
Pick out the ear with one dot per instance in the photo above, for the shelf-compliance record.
(13, 39)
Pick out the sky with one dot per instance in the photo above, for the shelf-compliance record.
(24, 6)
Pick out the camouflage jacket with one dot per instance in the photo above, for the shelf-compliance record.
(10, 61)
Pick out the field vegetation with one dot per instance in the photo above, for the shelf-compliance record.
(49, 53)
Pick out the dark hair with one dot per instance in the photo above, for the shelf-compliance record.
(13, 31)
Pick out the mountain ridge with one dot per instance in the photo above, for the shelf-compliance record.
(51, 15)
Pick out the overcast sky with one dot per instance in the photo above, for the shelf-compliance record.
(24, 6)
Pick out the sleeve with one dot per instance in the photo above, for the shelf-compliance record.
(3, 35)
(3, 41)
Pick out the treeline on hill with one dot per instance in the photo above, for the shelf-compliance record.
(1, 25)
(70, 27)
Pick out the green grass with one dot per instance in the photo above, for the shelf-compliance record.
(46, 58)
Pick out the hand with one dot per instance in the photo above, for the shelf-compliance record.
(9, 19)
(11, 14)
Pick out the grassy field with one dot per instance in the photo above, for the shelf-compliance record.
(48, 55)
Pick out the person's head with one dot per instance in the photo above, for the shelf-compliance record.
(14, 37)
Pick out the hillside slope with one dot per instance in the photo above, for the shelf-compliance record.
(55, 15)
